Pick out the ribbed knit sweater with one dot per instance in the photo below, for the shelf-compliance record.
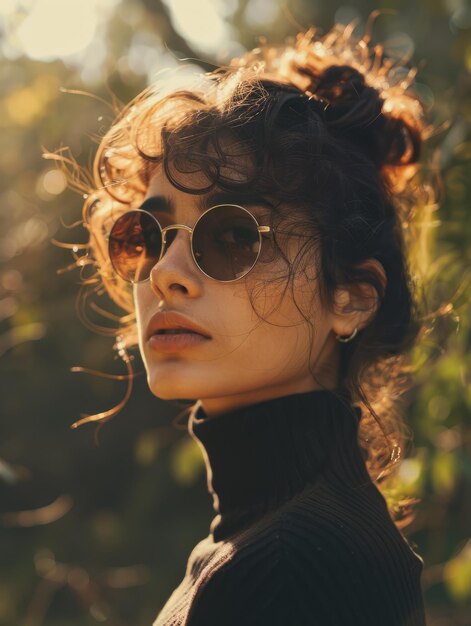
(301, 536)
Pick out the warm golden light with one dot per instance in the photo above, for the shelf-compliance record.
(55, 28)
(200, 23)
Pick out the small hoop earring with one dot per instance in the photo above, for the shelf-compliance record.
(345, 339)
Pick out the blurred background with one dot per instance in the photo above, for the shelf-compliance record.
(93, 533)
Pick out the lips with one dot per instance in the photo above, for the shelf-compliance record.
(175, 331)
(165, 320)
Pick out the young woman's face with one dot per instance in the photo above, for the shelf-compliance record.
(247, 359)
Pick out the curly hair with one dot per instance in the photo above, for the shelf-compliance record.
(335, 131)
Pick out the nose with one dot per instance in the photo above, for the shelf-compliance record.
(176, 267)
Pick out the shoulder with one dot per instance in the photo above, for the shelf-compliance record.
(346, 526)
(314, 568)
(348, 544)
(249, 586)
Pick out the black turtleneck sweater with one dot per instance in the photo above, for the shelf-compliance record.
(302, 536)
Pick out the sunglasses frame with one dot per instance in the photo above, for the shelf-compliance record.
(163, 231)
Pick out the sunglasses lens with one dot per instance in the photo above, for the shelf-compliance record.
(226, 242)
(134, 245)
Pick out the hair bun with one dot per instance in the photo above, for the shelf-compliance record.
(350, 102)
(355, 109)
(361, 93)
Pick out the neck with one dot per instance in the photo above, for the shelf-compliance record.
(259, 456)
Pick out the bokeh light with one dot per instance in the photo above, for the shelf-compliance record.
(54, 182)
(205, 28)
(260, 12)
(55, 28)
(11, 280)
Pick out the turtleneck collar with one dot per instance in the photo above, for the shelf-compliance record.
(259, 456)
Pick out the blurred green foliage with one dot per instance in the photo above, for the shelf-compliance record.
(101, 534)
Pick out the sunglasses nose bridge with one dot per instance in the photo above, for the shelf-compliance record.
(172, 227)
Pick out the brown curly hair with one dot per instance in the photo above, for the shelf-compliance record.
(334, 128)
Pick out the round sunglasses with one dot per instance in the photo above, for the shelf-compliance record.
(225, 242)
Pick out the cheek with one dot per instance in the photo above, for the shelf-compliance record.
(278, 312)
(279, 296)
(288, 305)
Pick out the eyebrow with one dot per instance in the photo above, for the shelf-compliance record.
(166, 204)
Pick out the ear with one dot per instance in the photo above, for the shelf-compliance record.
(357, 304)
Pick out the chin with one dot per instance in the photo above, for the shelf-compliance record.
(172, 395)
(167, 391)
(174, 385)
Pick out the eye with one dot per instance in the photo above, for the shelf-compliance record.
(152, 238)
(240, 236)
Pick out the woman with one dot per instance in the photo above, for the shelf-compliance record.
(255, 226)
